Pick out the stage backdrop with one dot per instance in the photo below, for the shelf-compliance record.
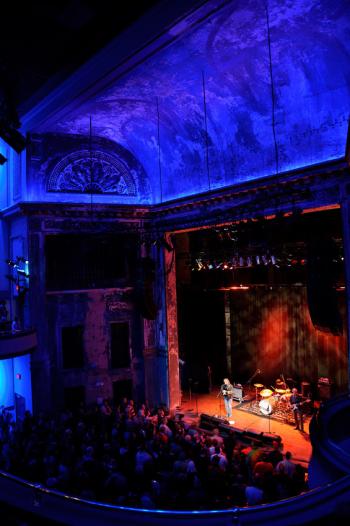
(271, 330)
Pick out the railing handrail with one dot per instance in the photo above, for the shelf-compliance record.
(10, 334)
(298, 502)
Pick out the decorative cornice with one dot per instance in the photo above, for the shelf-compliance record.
(84, 211)
(292, 178)
(313, 186)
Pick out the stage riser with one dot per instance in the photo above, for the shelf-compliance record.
(209, 423)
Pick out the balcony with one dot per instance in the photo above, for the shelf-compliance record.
(18, 343)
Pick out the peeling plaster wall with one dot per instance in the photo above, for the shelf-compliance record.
(310, 52)
(94, 310)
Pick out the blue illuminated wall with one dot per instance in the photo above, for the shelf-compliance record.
(12, 176)
(22, 379)
(13, 233)
(7, 397)
(310, 65)
(15, 383)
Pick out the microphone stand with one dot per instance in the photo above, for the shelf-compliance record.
(196, 396)
(249, 384)
(219, 397)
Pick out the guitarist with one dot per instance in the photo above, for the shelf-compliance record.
(227, 392)
(295, 402)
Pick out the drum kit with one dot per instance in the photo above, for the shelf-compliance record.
(271, 400)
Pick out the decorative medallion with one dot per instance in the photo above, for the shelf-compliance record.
(93, 172)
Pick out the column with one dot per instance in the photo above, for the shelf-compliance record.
(228, 335)
(345, 209)
(40, 361)
(155, 344)
(172, 327)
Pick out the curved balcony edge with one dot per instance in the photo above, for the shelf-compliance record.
(315, 504)
(329, 461)
(17, 344)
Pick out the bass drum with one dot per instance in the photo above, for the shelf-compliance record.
(267, 406)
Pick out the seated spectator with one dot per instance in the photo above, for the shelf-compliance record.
(15, 326)
(3, 314)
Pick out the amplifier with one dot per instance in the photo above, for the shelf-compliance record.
(237, 392)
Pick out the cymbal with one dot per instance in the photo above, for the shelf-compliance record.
(265, 393)
(280, 391)
(258, 385)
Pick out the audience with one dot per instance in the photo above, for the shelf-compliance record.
(134, 456)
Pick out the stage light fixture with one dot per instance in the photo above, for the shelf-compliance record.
(2, 159)
(200, 265)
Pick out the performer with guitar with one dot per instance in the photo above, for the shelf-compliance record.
(226, 390)
(296, 403)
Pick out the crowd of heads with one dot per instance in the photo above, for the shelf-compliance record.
(141, 457)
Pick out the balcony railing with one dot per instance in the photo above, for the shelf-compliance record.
(17, 343)
(310, 506)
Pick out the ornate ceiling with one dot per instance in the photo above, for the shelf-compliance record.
(199, 113)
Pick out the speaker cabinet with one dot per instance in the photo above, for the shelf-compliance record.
(305, 389)
(321, 291)
(237, 393)
(211, 422)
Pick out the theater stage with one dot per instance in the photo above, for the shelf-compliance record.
(296, 442)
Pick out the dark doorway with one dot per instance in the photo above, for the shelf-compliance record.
(72, 344)
(122, 389)
(120, 346)
(74, 397)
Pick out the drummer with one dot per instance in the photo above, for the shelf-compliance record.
(280, 384)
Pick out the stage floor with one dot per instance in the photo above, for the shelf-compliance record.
(295, 441)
